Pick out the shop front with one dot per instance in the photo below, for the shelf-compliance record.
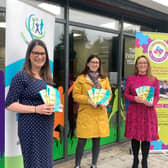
(106, 28)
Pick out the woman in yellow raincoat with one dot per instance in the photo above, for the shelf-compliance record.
(92, 119)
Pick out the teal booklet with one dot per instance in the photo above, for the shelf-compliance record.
(99, 96)
(146, 92)
(51, 95)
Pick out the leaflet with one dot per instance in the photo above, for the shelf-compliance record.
(146, 92)
(99, 96)
(51, 95)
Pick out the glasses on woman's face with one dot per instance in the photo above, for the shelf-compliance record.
(142, 63)
(94, 62)
(36, 54)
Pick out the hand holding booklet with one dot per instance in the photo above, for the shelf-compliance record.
(146, 92)
(99, 96)
(51, 95)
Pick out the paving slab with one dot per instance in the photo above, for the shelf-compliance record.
(118, 156)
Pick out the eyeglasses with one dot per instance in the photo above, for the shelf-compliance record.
(141, 63)
(38, 53)
(94, 62)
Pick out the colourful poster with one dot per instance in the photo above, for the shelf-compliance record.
(24, 23)
(155, 47)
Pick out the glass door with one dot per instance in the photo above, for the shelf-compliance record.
(128, 69)
(59, 79)
(84, 42)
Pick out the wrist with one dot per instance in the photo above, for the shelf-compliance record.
(134, 98)
(35, 109)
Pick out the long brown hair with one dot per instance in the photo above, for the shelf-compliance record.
(149, 70)
(45, 72)
(100, 69)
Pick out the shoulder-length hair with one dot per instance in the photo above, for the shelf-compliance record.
(45, 72)
(100, 69)
(149, 71)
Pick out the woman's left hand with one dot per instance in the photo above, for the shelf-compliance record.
(149, 104)
(103, 105)
(92, 103)
(45, 109)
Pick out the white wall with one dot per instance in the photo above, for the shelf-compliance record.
(2, 3)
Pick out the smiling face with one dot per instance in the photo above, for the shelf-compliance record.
(142, 65)
(93, 65)
(38, 57)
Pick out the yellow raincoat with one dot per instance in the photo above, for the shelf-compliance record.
(91, 122)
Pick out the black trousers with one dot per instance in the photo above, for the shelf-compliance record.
(80, 149)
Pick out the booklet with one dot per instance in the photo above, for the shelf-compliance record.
(105, 99)
(146, 92)
(44, 96)
(99, 96)
(51, 95)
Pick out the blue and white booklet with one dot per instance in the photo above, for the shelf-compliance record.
(99, 96)
(51, 95)
(146, 92)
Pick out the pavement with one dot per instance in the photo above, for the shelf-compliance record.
(118, 156)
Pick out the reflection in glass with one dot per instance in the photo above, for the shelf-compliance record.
(55, 9)
(131, 28)
(59, 58)
(59, 78)
(2, 41)
(93, 19)
(84, 42)
(2, 88)
(129, 55)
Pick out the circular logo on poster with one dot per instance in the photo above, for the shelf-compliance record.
(158, 51)
(35, 26)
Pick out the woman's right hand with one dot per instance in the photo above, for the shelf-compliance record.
(45, 109)
(92, 104)
(138, 99)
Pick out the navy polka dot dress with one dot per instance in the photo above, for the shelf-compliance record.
(34, 130)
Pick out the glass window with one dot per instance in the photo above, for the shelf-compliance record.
(3, 3)
(2, 84)
(59, 55)
(149, 29)
(131, 28)
(84, 42)
(129, 55)
(55, 9)
(59, 78)
(93, 19)
(2, 41)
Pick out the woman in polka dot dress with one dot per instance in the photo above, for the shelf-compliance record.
(35, 122)
(141, 119)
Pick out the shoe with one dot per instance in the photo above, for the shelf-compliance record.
(93, 166)
(77, 167)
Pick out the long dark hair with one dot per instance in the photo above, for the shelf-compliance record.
(149, 71)
(100, 70)
(45, 72)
